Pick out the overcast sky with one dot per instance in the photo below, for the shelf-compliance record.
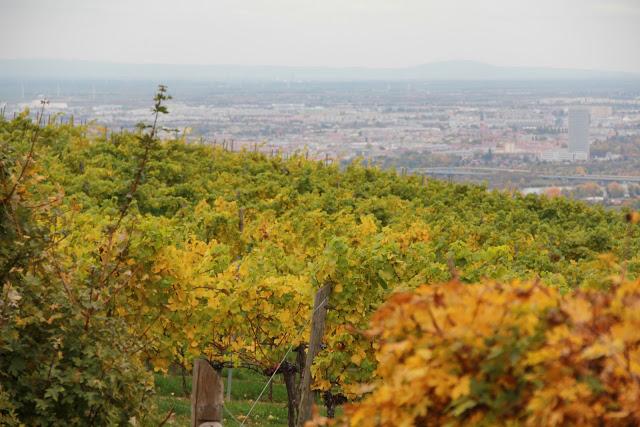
(586, 34)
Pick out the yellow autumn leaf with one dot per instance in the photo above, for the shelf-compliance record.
(462, 388)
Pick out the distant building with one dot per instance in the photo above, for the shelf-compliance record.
(579, 121)
(36, 104)
(509, 147)
(563, 155)
(601, 111)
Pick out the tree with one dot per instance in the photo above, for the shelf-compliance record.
(615, 190)
(589, 189)
(66, 356)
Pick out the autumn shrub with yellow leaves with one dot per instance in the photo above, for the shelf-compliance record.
(505, 354)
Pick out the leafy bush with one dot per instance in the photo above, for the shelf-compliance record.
(505, 354)
(65, 357)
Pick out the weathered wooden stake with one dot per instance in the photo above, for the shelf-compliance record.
(206, 395)
(317, 333)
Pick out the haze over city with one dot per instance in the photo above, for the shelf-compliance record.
(580, 34)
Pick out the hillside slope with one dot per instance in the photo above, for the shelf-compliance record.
(121, 252)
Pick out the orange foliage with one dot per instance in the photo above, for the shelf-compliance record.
(505, 354)
(553, 192)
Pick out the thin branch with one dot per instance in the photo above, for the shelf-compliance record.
(34, 138)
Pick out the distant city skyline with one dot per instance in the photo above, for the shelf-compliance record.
(577, 34)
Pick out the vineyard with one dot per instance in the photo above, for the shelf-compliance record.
(123, 254)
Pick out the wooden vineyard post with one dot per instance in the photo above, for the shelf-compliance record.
(206, 395)
(317, 332)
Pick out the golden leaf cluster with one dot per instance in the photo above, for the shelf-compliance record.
(505, 354)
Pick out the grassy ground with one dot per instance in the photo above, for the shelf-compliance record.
(245, 387)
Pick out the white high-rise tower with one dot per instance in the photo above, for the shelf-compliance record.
(579, 119)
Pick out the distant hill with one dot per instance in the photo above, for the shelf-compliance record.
(41, 69)
(472, 70)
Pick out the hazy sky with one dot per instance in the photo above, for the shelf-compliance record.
(590, 34)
